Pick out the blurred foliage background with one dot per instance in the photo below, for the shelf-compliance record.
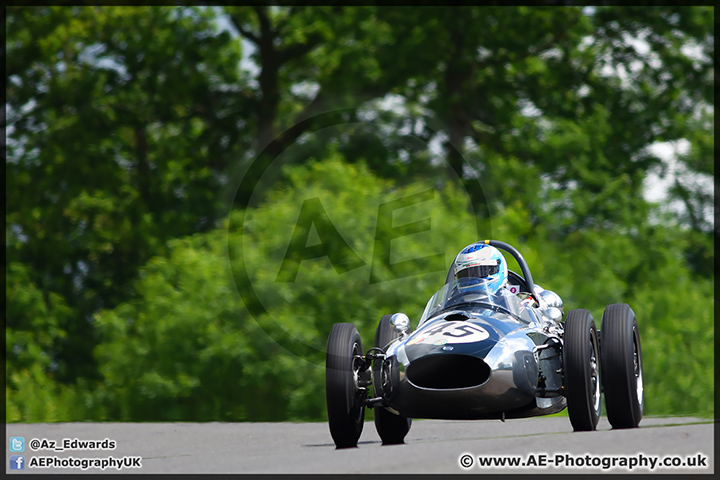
(195, 195)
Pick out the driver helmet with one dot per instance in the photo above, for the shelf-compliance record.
(480, 266)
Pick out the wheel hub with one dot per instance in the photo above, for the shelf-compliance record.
(595, 381)
(637, 368)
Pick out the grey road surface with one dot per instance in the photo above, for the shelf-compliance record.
(432, 446)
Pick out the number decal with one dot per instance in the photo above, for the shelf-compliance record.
(439, 329)
(453, 332)
(466, 330)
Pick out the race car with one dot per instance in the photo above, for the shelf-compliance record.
(482, 353)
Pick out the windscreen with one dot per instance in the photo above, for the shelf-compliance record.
(473, 291)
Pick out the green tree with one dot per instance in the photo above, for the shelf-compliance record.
(316, 67)
(567, 101)
(188, 348)
(121, 122)
(557, 106)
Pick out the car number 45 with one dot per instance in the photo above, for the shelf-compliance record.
(456, 332)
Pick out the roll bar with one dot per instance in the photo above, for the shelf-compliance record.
(518, 257)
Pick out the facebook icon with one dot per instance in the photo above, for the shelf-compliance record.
(17, 462)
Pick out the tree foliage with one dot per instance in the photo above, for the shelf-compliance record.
(212, 359)
(158, 158)
(119, 139)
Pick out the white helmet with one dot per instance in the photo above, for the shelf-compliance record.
(478, 264)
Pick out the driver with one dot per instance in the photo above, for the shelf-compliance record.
(481, 266)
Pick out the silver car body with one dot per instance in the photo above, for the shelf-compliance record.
(475, 355)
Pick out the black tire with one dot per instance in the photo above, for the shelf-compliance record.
(581, 365)
(621, 359)
(346, 412)
(391, 428)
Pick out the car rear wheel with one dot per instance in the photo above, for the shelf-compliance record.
(581, 365)
(621, 360)
(391, 428)
(343, 393)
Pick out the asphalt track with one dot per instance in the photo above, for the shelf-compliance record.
(432, 446)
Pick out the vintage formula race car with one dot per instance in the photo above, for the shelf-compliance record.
(483, 355)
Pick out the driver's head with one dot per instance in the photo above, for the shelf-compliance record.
(480, 266)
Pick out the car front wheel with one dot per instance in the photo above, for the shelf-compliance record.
(621, 360)
(581, 365)
(344, 395)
